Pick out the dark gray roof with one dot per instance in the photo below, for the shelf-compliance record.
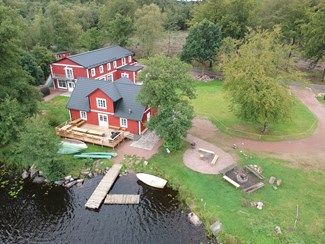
(123, 92)
(131, 68)
(101, 56)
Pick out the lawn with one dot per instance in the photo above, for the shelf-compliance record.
(212, 103)
(212, 198)
(321, 100)
(54, 110)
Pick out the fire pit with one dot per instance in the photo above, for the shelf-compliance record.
(242, 177)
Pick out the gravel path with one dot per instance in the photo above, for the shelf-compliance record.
(307, 153)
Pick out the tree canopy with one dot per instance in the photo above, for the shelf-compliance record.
(254, 79)
(202, 42)
(167, 86)
(149, 27)
(314, 34)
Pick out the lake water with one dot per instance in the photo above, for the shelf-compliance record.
(51, 214)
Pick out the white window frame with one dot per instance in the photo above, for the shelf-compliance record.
(101, 103)
(109, 66)
(125, 75)
(93, 72)
(130, 59)
(123, 122)
(64, 82)
(123, 61)
(69, 73)
(83, 115)
(115, 64)
(101, 69)
(110, 75)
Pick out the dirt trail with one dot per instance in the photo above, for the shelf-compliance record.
(309, 152)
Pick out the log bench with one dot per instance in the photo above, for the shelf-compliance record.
(235, 184)
(205, 151)
(214, 160)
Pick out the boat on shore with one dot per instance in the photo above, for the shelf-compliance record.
(71, 146)
(105, 155)
(152, 180)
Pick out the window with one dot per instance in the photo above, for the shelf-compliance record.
(93, 72)
(101, 103)
(108, 66)
(101, 69)
(123, 61)
(125, 75)
(69, 73)
(110, 78)
(62, 84)
(114, 64)
(123, 122)
(83, 115)
(130, 59)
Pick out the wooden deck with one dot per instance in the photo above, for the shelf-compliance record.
(122, 199)
(103, 187)
(88, 133)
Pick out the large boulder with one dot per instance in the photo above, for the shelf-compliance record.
(216, 227)
(194, 219)
(38, 180)
(33, 171)
(25, 175)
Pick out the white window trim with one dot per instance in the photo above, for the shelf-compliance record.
(125, 75)
(93, 72)
(123, 61)
(111, 76)
(67, 74)
(126, 123)
(101, 69)
(109, 66)
(83, 113)
(130, 59)
(65, 87)
(101, 99)
(115, 64)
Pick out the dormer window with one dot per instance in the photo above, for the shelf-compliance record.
(123, 61)
(93, 72)
(101, 69)
(108, 66)
(69, 73)
(114, 64)
(101, 103)
(130, 59)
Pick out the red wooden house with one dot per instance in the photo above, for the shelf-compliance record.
(107, 104)
(109, 64)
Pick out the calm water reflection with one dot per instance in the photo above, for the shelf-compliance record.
(45, 214)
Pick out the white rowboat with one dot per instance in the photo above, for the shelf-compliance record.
(152, 180)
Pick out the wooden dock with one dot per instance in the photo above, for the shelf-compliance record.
(122, 199)
(103, 187)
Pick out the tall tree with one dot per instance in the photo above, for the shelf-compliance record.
(202, 42)
(233, 16)
(120, 30)
(254, 79)
(149, 27)
(38, 144)
(13, 79)
(167, 86)
(314, 34)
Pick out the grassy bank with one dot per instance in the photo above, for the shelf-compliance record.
(212, 198)
(212, 103)
(54, 110)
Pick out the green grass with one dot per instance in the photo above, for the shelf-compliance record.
(212, 103)
(321, 100)
(212, 198)
(55, 111)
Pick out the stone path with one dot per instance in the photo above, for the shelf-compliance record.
(147, 141)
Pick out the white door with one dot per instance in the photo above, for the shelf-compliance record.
(103, 120)
(70, 86)
(148, 116)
